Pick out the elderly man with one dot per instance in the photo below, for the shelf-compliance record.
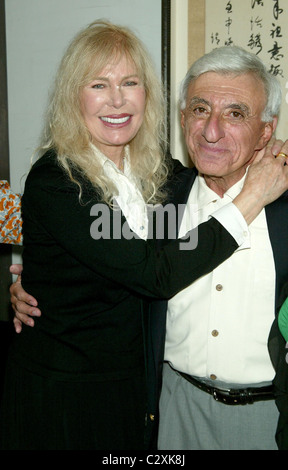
(217, 377)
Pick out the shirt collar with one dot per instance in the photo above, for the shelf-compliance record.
(206, 196)
(105, 161)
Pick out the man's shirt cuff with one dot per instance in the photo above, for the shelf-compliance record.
(231, 218)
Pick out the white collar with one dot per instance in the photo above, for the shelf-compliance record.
(205, 195)
(129, 198)
(107, 161)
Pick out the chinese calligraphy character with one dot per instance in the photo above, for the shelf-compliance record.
(228, 42)
(258, 2)
(275, 70)
(276, 32)
(257, 22)
(275, 51)
(229, 8)
(228, 24)
(215, 38)
(255, 41)
(276, 10)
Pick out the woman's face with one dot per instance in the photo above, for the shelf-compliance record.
(113, 107)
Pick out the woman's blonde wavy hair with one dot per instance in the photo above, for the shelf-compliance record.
(89, 52)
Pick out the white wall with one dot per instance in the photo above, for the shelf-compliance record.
(37, 33)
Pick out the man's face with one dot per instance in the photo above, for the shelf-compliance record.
(222, 124)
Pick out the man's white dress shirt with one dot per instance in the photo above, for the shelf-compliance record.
(218, 327)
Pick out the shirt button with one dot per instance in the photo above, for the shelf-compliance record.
(215, 333)
(213, 376)
(219, 287)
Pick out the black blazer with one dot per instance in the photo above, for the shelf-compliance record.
(277, 220)
(96, 282)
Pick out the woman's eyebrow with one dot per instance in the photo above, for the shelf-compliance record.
(106, 79)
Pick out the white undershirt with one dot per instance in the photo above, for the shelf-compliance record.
(129, 199)
(218, 327)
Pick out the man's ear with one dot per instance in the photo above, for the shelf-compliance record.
(183, 119)
(275, 122)
(268, 131)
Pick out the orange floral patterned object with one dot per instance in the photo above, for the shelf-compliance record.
(10, 215)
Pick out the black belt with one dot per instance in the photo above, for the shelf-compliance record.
(240, 396)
